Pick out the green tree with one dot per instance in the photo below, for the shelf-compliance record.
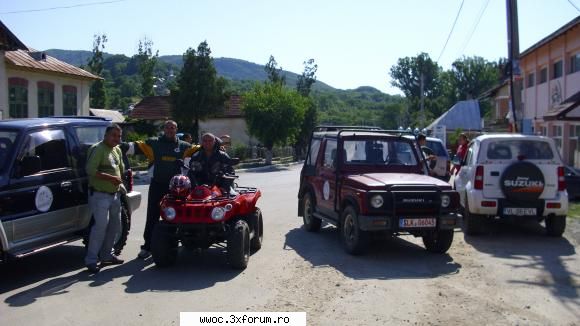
(98, 95)
(304, 87)
(147, 62)
(199, 91)
(408, 75)
(274, 114)
(471, 76)
(275, 75)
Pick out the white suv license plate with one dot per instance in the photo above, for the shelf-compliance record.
(417, 222)
(518, 211)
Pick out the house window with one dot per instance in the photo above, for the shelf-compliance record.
(557, 69)
(45, 99)
(69, 100)
(575, 63)
(18, 98)
(557, 136)
(543, 75)
(531, 79)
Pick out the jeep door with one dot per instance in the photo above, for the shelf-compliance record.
(325, 181)
(40, 204)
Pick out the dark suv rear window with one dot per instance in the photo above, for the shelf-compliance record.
(512, 149)
(7, 139)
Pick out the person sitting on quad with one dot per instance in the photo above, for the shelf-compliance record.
(208, 163)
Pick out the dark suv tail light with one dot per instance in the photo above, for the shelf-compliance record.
(129, 180)
(478, 183)
(561, 179)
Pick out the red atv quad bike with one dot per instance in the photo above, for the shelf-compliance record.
(198, 216)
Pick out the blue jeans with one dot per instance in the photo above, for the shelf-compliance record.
(106, 210)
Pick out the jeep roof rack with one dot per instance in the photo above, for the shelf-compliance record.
(323, 128)
(91, 117)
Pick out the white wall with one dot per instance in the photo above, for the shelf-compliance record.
(59, 81)
(235, 127)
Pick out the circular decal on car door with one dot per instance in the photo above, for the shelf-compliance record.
(43, 199)
(326, 190)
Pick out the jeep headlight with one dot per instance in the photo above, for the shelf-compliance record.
(169, 213)
(445, 201)
(218, 213)
(377, 201)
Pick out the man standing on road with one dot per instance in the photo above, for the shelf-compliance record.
(104, 168)
(162, 152)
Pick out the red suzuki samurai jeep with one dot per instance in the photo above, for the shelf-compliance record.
(368, 180)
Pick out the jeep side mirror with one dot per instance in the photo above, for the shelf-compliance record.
(309, 170)
(30, 165)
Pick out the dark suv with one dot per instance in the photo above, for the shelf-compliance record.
(43, 183)
(366, 180)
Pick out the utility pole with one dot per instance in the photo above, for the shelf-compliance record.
(515, 76)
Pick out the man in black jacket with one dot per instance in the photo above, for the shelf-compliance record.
(209, 162)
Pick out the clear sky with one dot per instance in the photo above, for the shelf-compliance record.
(354, 43)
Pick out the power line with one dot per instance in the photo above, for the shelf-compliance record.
(451, 32)
(474, 27)
(572, 3)
(61, 7)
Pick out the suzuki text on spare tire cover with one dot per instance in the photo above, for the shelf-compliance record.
(369, 181)
(512, 176)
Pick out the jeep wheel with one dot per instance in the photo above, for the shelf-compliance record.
(164, 245)
(438, 241)
(354, 240)
(238, 245)
(555, 225)
(472, 223)
(257, 224)
(311, 223)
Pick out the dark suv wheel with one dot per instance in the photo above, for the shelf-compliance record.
(354, 240)
(472, 223)
(311, 223)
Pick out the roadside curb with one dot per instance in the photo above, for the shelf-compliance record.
(144, 175)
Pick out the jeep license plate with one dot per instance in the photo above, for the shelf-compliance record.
(518, 211)
(417, 222)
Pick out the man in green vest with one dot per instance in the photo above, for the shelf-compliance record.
(104, 168)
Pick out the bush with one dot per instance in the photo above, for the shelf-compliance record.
(135, 136)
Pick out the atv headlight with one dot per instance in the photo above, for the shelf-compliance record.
(377, 201)
(445, 201)
(218, 213)
(169, 213)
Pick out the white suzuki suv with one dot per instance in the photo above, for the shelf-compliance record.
(512, 176)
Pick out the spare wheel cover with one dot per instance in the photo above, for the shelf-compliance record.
(522, 181)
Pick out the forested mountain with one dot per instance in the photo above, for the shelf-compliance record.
(363, 105)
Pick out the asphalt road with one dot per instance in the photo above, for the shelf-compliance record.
(513, 275)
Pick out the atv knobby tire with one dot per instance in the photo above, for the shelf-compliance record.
(238, 245)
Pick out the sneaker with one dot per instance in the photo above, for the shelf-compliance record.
(112, 261)
(93, 268)
(144, 253)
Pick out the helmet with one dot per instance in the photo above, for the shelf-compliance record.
(179, 185)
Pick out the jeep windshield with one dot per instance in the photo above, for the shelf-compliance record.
(7, 140)
(381, 151)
